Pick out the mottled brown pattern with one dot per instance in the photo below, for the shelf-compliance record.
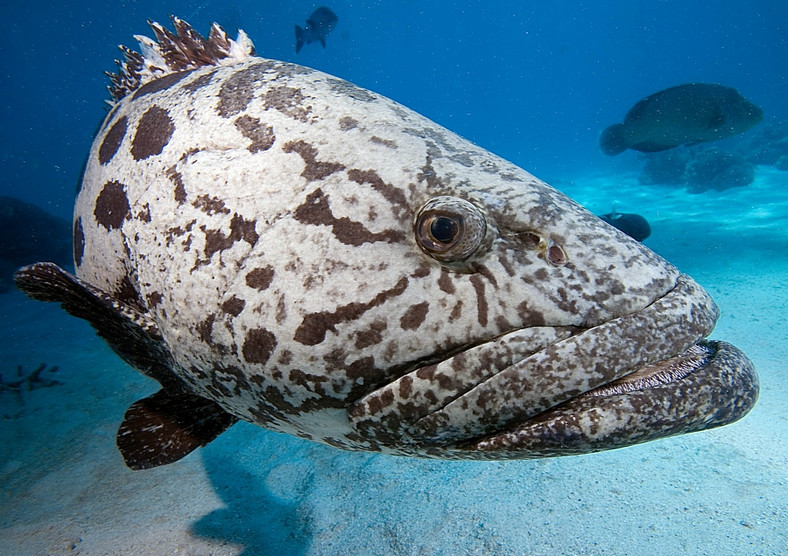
(261, 135)
(112, 206)
(314, 327)
(112, 140)
(154, 131)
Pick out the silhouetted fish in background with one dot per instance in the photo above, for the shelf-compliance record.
(27, 234)
(317, 28)
(681, 115)
(634, 225)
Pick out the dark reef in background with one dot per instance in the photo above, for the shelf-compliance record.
(29, 234)
(704, 167)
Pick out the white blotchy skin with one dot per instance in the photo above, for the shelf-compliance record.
(262, 215)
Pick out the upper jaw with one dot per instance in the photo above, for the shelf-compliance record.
(504, 383)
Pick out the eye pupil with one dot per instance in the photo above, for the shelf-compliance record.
(444, 230)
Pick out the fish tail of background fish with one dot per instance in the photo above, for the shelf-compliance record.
(299, 33)
(612, 140)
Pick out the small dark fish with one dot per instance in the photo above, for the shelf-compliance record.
(317, 28)
(681, 115)
(634, 225)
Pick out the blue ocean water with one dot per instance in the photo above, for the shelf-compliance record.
(533, 82)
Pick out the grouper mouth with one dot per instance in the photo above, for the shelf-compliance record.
(550, 391)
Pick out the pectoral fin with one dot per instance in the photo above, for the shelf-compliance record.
(163, 428)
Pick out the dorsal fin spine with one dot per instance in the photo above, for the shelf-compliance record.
(173, 52)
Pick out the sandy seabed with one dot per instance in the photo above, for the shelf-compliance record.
(65, 489)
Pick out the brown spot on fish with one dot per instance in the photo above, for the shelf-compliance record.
(233, 306)
(154, 299)
(393, 195)
(372, 336)
(198, 83)
(287, 100)
(128, 294)
(261, 135)
(238, 90)
(314, 170)
(154, 131)
(240, 229)
(414, 316)
(205, 328)
(529, 316)
(260, 278)
(314, 326)
(456, 312)
(405, 387)
(317, 212)
(481, 299)
(160, 84)
(385, 142)
(79, 242)
(210, 205)
(179, 193)
(346, 89)
(421, 271)
(347, 123)
(112, 205)
(445, 283)
(112, 140)
(258, 346)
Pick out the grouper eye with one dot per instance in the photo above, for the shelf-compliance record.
(450, 229)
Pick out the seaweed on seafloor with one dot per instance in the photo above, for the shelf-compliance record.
(27, 382)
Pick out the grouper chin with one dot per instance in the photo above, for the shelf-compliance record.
(277, 245)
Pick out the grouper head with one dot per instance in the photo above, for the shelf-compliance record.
(277, 245)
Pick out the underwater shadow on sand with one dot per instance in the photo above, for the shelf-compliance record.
(255, 515)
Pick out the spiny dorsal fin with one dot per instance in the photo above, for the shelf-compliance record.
(183, 50)
(163, 428)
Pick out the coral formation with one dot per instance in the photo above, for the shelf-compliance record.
(702, 167)
(717, 170)
(26, 382)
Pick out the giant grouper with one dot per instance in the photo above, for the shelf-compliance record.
(277, 245)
